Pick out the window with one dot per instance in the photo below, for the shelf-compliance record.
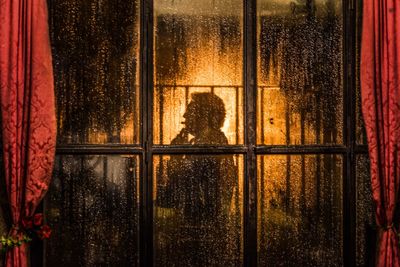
(207, 133)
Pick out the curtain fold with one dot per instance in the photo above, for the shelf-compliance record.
(380, 74)
(27, 110)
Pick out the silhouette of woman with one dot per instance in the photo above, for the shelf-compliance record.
(204, 117)
(201, 189)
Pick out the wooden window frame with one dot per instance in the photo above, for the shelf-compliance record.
(146, 149)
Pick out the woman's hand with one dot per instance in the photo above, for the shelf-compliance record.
(181, 138)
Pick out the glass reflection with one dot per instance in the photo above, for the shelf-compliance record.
(300, 210)
(93, 208)
(198, 210)
(198, 48)
(300, 95)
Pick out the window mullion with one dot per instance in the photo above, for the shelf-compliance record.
(349, 184)
(250, 194)
(146, 83)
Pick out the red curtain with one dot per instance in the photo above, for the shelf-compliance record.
(27, 109)
(380, 74)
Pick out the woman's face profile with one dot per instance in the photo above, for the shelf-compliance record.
(191, 120)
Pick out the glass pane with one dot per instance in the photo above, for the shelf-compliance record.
(96, 68)
(198, 208)
(93, 208)
(300, 87)
(361, 135)
(366, 227)
(198, 49)
(300, 210)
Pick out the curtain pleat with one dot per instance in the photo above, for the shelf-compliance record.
(380, 74)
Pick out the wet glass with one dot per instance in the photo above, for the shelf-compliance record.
(300, 210)
(366, 226)
(93, 209)
(198, 49)
(361, 135)
(300, 83)
(198, 210)
(95, 46)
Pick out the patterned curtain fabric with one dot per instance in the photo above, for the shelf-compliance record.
(380, 74)
(27, 110)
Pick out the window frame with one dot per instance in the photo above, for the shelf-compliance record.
(349, 149)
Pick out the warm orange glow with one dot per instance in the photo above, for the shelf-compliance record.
(278, 121)
(97, 137)
(206, 69)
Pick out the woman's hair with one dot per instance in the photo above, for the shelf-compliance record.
(209, 108)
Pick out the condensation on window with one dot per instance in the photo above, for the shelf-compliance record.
(93, 209)
(198, 48)
(95, 47)
(366, 231)
(300, 83)
(361, 135)
(300, 210)
(198, 210)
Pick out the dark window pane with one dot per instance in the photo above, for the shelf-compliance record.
(4, 228)
(300, 87)
(93, 208)
(198, 48)
(300, 210)
(96, 69)
(366, 227)
(361, 136)
(198, 210)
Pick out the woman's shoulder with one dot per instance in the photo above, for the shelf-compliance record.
(220, 138)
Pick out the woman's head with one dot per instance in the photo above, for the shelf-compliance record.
(206, 110)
